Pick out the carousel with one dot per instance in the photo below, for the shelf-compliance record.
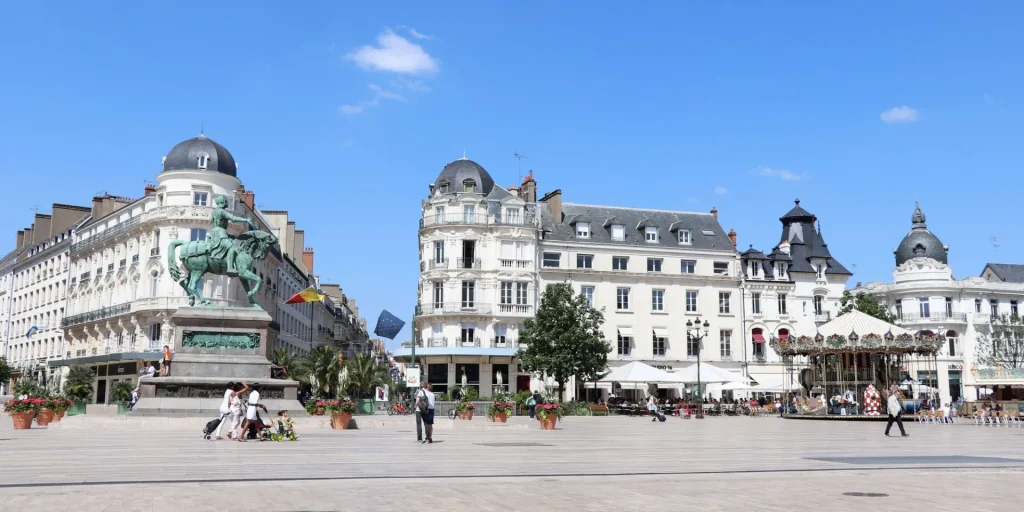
(845, 371)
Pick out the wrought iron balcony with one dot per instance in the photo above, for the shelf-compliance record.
(434, 341)
(97, 314)
(473, 263)
(824, 316)
(481, 219)
(465, 342)
(507, 263)
(108, 234)
(454, 308)
(931, 318)
(518, 309)
(442, 263)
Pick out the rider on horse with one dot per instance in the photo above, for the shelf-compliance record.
(221, 244)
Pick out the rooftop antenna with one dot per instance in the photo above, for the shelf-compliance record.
(202, 127)
(520, 158)
(35, 210)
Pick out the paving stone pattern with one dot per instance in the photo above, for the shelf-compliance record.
(588, 464)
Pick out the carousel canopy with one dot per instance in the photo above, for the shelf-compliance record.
(858, 332)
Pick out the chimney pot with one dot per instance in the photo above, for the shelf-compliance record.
(714, 213)
(732, 236)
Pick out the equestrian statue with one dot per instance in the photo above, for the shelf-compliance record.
(221, 254)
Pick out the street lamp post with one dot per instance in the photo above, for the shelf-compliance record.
(694, 335)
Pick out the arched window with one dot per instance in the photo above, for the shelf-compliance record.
(783, 334)
(953, 343)
(203, 160)
(757, 337)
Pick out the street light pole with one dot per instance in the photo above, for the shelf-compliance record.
(693, 333)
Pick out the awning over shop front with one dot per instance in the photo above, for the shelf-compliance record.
(661, 332)
(625, 331)
(758, 338)
(405, 354)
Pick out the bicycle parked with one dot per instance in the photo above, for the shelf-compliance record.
(399, 408)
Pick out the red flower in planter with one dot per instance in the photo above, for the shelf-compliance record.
(547, 406)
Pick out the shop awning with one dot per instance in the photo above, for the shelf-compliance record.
(758, 338)
(783, 335)
(625, 331)
(661, 332)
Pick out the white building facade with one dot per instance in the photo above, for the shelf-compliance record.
(120, 295)
(926, 297)
(650, 272)
(477, 283)
(789, 292)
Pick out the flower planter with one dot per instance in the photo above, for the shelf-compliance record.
(122, 409)
(549, 422)
(341, 420)
(22, 420)
(60, 414)
(500, 417)
(365, 406)
(44, 417)
(467, 415)
(77, 408)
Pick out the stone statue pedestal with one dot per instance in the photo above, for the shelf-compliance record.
(212, 347)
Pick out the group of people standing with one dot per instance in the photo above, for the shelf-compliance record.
(231, 410)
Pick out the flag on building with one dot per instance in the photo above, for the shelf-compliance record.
(388, 325)
(308, 295)
(31, 331)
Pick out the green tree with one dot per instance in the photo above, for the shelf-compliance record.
(1003, 347)
(865, 304)
(564, 338)
(320, 369)
(365, 374)
(78, 384)
(5, 371)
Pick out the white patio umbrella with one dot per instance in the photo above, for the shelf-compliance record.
(639, 373)
(709, 374)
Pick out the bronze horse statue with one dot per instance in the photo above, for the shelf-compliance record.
(199, 259)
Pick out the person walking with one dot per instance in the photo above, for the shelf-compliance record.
(428, 418)
(895, 412)
(420, 408)
(531, 405)
(652, 408)
(134, 399)
(230, 408)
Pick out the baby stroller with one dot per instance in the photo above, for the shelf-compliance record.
(259, 430)
(210, 427)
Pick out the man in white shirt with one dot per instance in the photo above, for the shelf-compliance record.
(428, 418)
(895, 411)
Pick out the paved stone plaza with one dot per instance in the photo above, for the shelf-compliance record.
(598, 464)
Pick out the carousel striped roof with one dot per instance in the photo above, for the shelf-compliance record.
(861, 323)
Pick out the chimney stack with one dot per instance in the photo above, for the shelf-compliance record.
(528, 192)
(307, 258)
(714, 213)
(150, 189)
(732, 236)
(21, 239)
(554, 201)
(248, 197)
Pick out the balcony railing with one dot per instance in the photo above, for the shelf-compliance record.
(506, 263)
(434, 341)
(503, 342)
(519, 309)
(726, 357)
(98, 314)
(473, 263)
(824, 316)
(932, 318)
(442, 263)
(454, 308)
(465, 342)
(759, 358)
(482, 219)
(108, 234)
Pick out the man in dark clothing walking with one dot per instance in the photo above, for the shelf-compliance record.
(895, 412)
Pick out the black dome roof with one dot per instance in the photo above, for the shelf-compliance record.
(457, 172)
(187, 156)
(920, 243)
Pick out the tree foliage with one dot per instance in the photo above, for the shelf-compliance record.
(865, 304)
(5, 370)
(78, 384)
(1003, 347)
(321, 370)
(365, 374)
(564, 338)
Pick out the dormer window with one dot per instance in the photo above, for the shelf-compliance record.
(651, 235)
(467, 185)
(754, 271)
(618, 232)
(203, 160)
(821, 271)
(443, 187)
(583, 230)
(684, 236)
(782, 270)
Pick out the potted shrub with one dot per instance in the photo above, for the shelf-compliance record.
(78, 387)
(44, 414)
(121, 394)
(499, 410)
(465, 409)
(316, 407)
(22, 411)
(340, 412)
(61, 406)
(548, 414)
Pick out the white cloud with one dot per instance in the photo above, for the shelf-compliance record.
(417, 34)
(721, 190)
(782, 174)
(379, 94)
(396, 54)
(902, 114)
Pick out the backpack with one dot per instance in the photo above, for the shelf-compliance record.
(424, 403)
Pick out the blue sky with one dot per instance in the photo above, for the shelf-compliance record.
(342, 114)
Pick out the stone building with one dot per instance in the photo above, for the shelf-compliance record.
(925, 297)
(33, 288)
(788, 292)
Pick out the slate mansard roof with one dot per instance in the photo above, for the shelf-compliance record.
(804, 241)
(1006, 272)
(635, 222)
